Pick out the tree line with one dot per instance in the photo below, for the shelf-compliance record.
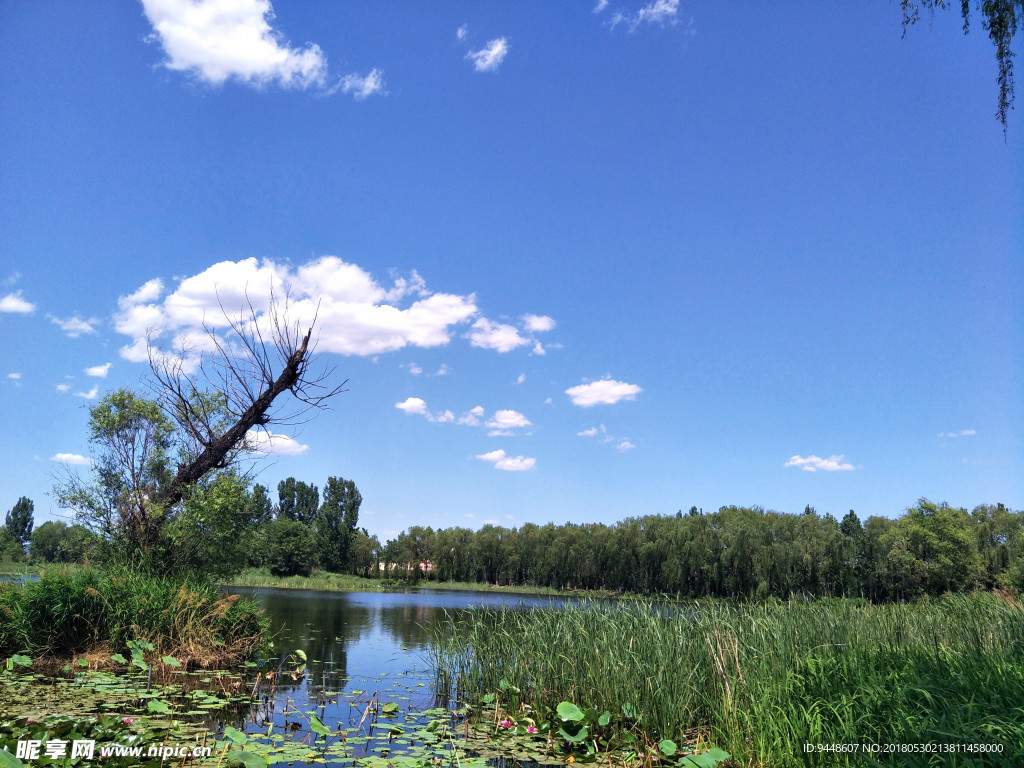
(738, 552)
(227, 526)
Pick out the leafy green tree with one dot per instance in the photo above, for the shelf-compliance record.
(297, 501)
(206, 532)
(131, 442)
(336, 523)
(47, 540)
(19, 520)
(364, 553)
(940, 549)
(291, 548)
(10, 549)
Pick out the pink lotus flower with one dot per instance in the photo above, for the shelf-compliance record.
(505, 724)
(531, 729)
(127, 720)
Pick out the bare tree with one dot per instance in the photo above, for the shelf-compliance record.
(234, 386)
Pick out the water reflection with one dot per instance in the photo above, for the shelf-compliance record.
(359, 644)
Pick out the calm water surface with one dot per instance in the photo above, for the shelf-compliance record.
(360, 645)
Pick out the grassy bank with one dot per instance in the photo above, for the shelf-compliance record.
(338, 582)
(63, 614)
(762, 680)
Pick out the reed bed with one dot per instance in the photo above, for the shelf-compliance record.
(65, 614)
(762, 680)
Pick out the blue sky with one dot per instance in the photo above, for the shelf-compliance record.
(577, 261)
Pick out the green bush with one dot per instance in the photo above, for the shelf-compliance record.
(63, 614)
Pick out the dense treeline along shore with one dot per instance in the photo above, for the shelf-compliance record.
(739, 552)
(930, 549)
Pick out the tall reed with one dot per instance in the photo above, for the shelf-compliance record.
(67, 613)
(761, 680)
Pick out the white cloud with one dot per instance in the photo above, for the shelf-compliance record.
(961, 433)
(90, 395)
(538, 349)
(63, 387)
(472, 417)
(363, 87)
(71, 458)
(506, 419)
(601, 5)
(593, 431)
(499, 336)
(14, 376)
(413, 405)
(418, 406)
(625, 445)
(75, 326)
(462, 32)
(603, 392)
(10, 280)
(267, 443)
(538, 323)
(442, 371)
(520, 378)
(99, 371)
(355, 315)
(414, 369)
(489, 59)
(503, 422)
(13, 302)
(217, 40)
(508, 463)
(833, 463)
(658, 12)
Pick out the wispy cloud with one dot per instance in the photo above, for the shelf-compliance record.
(520, 378)
(472, 417)
(602, 392)
(488, 59)
(71, 458)
(462, 32)
(13, 302)
(508, 463)
(75, 326)
(90, 395)
(660, 12)
(220, 40)
(961, 433)
(362, 88)
(63, 387)
(14, 376)
(833, 463)
(625, 445)
(601, 5)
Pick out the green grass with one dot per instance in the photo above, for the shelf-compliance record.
(761, 680)
(339, 582)
(66, 613)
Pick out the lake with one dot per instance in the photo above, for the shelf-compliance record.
(360, 646)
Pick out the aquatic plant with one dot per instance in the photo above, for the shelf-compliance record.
(758, 680)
